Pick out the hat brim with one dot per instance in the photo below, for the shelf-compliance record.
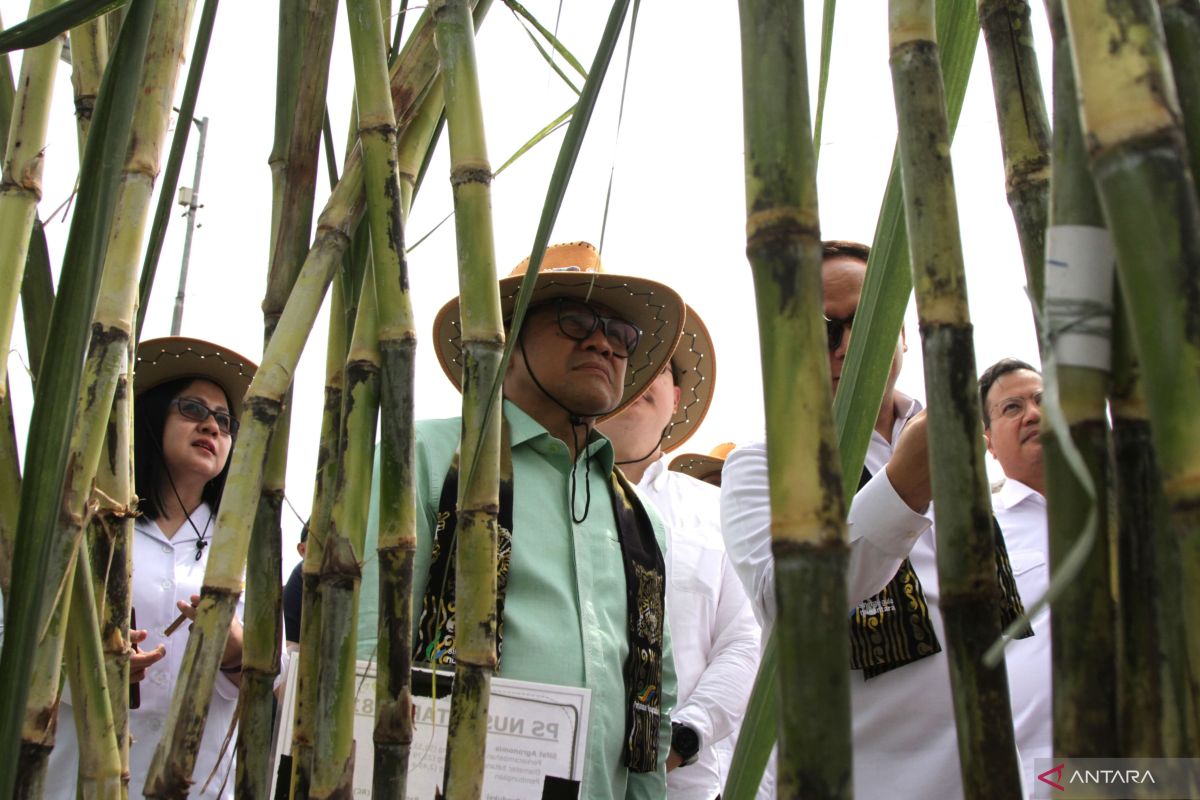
(169, 358)
(696, 465)
(653, 307)
(695, 356)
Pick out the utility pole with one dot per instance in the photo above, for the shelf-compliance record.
(191, 199)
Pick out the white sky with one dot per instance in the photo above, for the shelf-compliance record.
(678, 203)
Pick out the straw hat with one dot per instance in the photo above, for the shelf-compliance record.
(171, 357)
(695, 358)
(702, 467)
(573, 270)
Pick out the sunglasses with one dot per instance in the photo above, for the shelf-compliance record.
(578, 321)
(835, 330)
(196, 411)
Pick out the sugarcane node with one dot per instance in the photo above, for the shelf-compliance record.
(391, 723)
(339, 566)
(471, 173)
(783, 549)
(263, 410)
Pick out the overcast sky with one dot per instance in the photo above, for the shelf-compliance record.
(678, 197)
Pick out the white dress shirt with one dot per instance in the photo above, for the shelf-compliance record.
(1021, 512)
(164, 570)
(715, 636)
(905, 744)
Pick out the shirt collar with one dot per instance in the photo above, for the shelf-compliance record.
(524, 429)
(1012, 493)
(656, 473)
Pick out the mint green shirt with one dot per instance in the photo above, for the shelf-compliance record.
(564, 610)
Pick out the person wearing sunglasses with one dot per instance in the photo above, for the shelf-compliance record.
(903, 724)
(188, 396)
(582, 570)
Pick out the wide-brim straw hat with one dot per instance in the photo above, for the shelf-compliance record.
(172, 357)
(574, 271)
(699, 466)
(695, 359)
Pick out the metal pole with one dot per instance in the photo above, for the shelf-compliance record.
(177, 317)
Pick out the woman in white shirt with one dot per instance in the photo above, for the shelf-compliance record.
(189, 394)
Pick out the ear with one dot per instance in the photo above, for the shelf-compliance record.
(987, 437)
(903, 340)
(676, 394)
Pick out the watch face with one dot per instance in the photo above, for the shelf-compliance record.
(685, 741)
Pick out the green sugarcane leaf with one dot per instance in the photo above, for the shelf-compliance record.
(36, 579)
(7, 96)
(823, 81)
(549, 60)
(521, 11)
(170, 176)
(37, 296)
(54, 22)
(877, 323)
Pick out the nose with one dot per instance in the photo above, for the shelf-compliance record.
(598, 340)
(209, 424)
(1033, 412)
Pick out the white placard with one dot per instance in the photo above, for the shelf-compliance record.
(534, 730)
(1080, 261)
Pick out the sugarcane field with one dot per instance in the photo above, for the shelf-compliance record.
(323, 322)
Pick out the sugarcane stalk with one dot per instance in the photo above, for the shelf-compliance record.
(1078, 308)
(175, 755)
(1024, 127)
(962, 508)
(110, 544)
(41, 711)
(341, 575)
(1156, 708)
(113, 321)
(397, 349)
(89, 54)
(100, 768)
(1181, 22)
(417, 141)
(37, 579)
(300, 92)
(304, 730)
(21, 181)
(170, 177)
(783, 243)
(262, 635)
(1139, 163)
(483, 342)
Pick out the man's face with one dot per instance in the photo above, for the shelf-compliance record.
(637, 430)
(585, 376)
(842, 283)
(1014, 422)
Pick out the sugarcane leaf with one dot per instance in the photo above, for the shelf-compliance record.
(823, 81)
(37, 296)
(56, 399)
(7, 96)
(54, 22)
(549, 60)
(533, 141)
(868, 360)
(558, 46)
(170, 175)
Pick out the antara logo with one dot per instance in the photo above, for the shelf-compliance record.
(1054, 775)
(1057, 773)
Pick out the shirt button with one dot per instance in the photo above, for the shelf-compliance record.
(167, 584)
(168, 549)
(156, 724)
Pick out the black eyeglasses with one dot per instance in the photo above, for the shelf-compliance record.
(835, 330)
(578, 321)
(198, 412)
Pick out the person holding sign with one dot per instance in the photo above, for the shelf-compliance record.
(582, 570)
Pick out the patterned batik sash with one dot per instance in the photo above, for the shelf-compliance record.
(645, 586)
(435, 630)
(893, 628)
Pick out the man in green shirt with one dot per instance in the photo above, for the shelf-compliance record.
(582, 545)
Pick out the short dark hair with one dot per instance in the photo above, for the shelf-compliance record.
(149, 469)
(844, 247)
(994, 373)
(676, 372)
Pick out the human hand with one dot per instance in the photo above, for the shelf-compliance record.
(139, 662)
(231, 660)
(908, 470)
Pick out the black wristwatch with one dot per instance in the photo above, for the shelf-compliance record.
(685, 742)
